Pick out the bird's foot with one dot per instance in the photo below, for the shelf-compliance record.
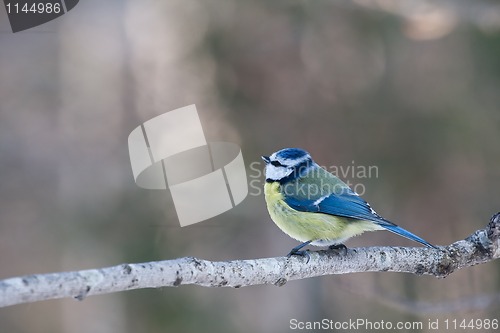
(303, 253)
(339, 248)
(297, 252)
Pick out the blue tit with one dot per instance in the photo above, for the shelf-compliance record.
(313, 206)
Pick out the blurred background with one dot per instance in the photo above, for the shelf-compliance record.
(409, 87)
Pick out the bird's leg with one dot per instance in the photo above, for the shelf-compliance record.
(296, 251)
(339, 248)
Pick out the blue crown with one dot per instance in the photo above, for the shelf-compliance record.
(291, 153)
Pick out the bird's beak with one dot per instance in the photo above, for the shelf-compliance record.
(266, 159)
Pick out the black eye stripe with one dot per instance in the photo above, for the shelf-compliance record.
(276, 163)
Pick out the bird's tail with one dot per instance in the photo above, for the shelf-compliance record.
(402, 232)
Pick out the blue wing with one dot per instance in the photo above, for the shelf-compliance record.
(349, 204)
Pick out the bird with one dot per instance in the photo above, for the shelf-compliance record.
(313, 206)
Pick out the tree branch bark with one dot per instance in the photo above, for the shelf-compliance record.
(480, 247)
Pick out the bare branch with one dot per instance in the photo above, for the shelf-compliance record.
(480, 247)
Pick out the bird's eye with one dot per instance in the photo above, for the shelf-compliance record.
(276, 163)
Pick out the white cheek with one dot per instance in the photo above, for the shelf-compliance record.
(276, 173)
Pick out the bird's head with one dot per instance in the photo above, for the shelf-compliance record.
(286, 164)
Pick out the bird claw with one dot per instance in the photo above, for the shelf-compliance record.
(339, 248)
(303, 253)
